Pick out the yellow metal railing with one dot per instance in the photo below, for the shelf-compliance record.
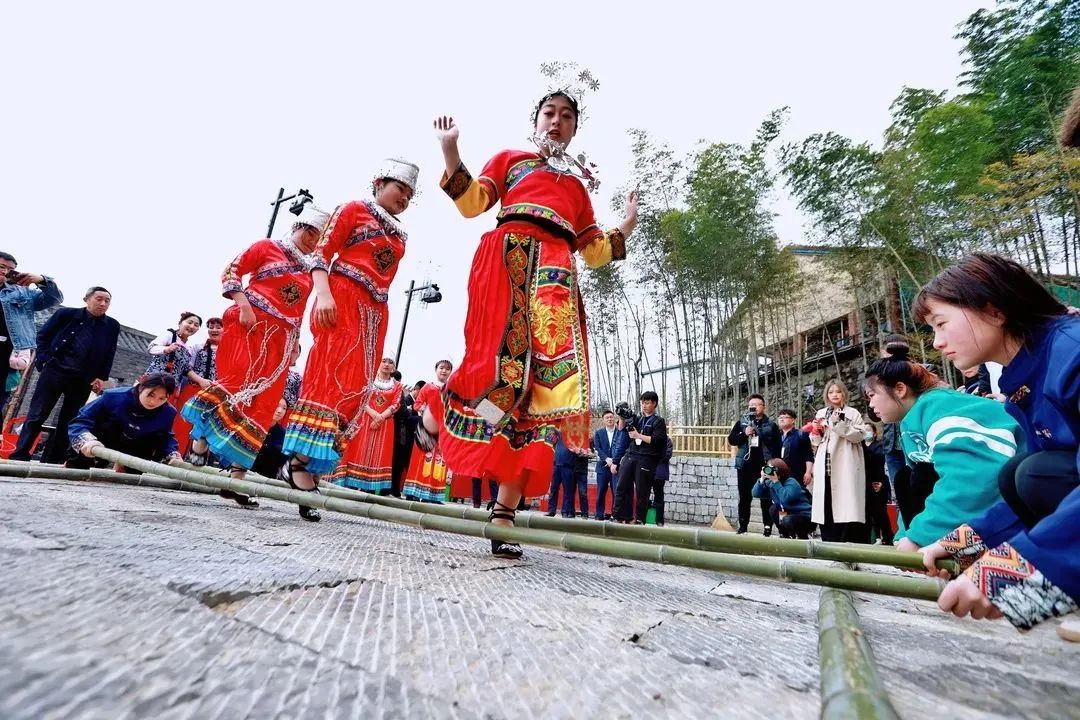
(707, 440)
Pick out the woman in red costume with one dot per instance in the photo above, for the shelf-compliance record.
(349, 325)
(525, 374)
(425, 479)
(231, 416)
(367, 463)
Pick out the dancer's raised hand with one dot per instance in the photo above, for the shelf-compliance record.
(446, 130)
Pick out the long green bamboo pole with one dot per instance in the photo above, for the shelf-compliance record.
(686, 537)
(696, 538)
(911, 587)
(849, 681)
(22, 469)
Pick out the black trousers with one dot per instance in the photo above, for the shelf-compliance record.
(913, 486)
(1034, 485)
(792, 526)
(748, 475)
(648, 482)
(851, 532)
(6, 348)
(636, 472)
(477, 491)
(51, 385)
(877, 512)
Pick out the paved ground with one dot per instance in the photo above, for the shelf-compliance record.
(123, 602)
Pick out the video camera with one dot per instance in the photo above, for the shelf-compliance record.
(623, 411)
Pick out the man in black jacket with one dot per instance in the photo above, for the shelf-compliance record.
(647, 436)
(75, 351)
(758, 441)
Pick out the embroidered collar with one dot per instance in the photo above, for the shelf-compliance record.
(296, 254)
(388, 221)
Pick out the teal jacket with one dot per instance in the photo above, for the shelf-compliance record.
(967, 439)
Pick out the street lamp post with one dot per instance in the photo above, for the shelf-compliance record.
(300, 198)
(431, 294)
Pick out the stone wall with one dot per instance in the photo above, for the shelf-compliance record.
(698, 488)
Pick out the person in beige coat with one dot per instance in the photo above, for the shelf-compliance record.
(839, 487)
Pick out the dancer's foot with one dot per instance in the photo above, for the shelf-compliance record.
(238, 473)
(199, 453)
(504, 515)
(296, 468)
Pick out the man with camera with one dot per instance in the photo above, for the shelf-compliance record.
(758, 441)
(18, 303)
(647, 440)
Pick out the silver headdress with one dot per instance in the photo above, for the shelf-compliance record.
(568, 79)
(401, 170)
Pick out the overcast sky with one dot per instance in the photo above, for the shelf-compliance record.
(144, 142)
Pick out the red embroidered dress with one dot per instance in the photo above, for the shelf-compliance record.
(234, 414)
(425, 477)
(368, 460)
(525, 373)
(369, 244)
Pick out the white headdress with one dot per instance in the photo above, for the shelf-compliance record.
(312, 217)
(401, 170)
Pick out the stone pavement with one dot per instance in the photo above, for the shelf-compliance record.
(123, 602)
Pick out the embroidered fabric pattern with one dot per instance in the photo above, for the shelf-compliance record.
(964, 545)
(536, 211)
(343, 268)
(997, 569)
(1032, 601)
(256, 298)
(513, 359)
(458, 183)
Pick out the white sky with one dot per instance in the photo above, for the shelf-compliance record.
(144, 142)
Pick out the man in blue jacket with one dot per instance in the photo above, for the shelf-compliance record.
(75, 351)
(18, 303)
(609, 447)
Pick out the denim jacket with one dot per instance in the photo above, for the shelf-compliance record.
(19, 305)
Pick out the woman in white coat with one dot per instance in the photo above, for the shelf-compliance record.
(839, 488)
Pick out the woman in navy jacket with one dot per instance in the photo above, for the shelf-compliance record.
(133, 420)
(1023, 555)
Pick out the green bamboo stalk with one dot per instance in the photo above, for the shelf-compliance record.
(686, 537)
(911, 587)
(850, 684)
(696, 538)
(23, 469)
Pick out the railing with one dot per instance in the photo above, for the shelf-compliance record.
(706, 440)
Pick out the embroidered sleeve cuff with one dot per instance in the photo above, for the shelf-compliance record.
(1033, 600)
(319, 263)
(455, 185)
(964, 545)
(998, 569)
(227, 289)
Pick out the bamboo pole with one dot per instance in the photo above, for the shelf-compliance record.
(30, 470)
(911, 587)
(684, 537)
(688, 537)
(849, 681)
